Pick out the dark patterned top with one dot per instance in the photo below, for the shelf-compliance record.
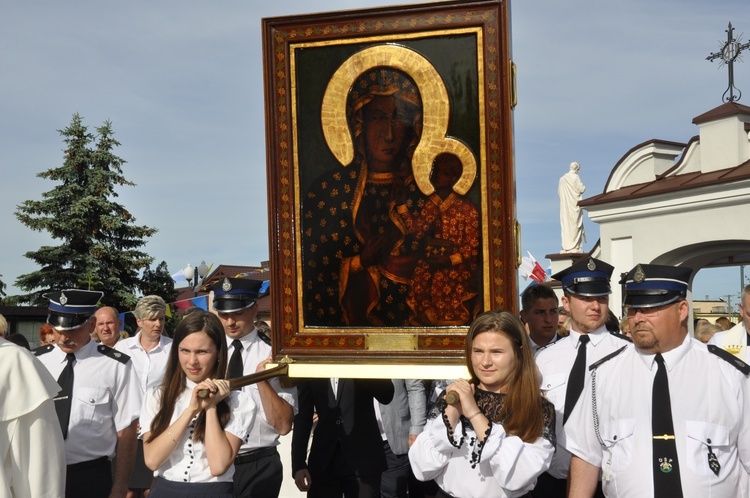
(490, 404)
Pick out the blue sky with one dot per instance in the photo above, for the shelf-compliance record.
(182, 83)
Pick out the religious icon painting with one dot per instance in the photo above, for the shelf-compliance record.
(390, 176)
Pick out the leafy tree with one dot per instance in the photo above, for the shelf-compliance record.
(2, 289)
(100, 245)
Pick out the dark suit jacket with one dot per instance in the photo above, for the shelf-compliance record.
(347, 420)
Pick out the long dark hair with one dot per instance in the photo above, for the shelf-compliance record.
(174, 378)
(522, 413)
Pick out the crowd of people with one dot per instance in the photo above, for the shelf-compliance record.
(147, 415)
(545, 412)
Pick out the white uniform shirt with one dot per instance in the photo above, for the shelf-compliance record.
(149, 365)
(734, 339)
(710, 407)
(32, 452)
(106, 399)
(508, 467)
(254, 351)
(555, 362)
(188, 462)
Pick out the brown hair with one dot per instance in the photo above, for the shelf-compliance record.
(522, 411)
(174, 379)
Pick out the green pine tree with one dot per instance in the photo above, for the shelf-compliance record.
(158, 282)
(100, 245)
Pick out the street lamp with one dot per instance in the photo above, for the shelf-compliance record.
(195, 275)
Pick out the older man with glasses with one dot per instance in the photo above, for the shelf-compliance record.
(668, 416)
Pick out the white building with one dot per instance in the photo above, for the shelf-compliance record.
(683, 204)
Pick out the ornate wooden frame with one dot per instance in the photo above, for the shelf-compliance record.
(301, 53)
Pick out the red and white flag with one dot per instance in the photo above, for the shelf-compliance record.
(531, 269)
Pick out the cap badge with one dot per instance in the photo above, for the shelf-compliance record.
(591, 266)
(63, 299)
(639, 276)
(226, 285)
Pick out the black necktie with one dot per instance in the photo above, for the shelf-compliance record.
(235, 362)
(576, 378)
(666, 467)
(65, 396)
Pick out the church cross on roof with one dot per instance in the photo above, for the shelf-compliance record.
(730, 52)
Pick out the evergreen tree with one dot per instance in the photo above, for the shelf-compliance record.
(159, 282)
(99, 241)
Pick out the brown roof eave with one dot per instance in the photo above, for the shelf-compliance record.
(665, 185)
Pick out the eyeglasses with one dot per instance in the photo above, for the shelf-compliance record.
(647, 312)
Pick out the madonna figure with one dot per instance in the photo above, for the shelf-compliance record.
(358, 255)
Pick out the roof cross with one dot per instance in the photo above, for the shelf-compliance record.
(730, 52)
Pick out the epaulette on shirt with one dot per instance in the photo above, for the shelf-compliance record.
(264, 338)
(622, 336)
(607, 358)
(113, 353)
(730, 358)
(43, 349)
(550, 345)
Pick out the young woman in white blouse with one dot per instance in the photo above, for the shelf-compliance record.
(189, 441)
(498, 436)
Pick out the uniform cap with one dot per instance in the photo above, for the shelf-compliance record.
(588, 277)
(649, 286)
(236, 294)
(70, 308)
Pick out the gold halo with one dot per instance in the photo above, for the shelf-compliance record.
(435, 114)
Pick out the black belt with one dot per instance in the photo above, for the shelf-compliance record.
(89, 463)
(253, 455)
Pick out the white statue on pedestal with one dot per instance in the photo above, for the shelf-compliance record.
(570, 190)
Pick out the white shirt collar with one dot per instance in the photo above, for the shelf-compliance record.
(595, 337)
(671, 358)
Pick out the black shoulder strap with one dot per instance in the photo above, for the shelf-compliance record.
(549, 345)
(43, 350)
(622, 336)
(264, 338)
(113, 353)
(607, 358)
(729, 358)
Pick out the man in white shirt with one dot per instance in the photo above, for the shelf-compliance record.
(735, 340)
(108, 325)
(540, 313)
(666, 416)
(99, 402)
(258, 468)
(564, 364)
